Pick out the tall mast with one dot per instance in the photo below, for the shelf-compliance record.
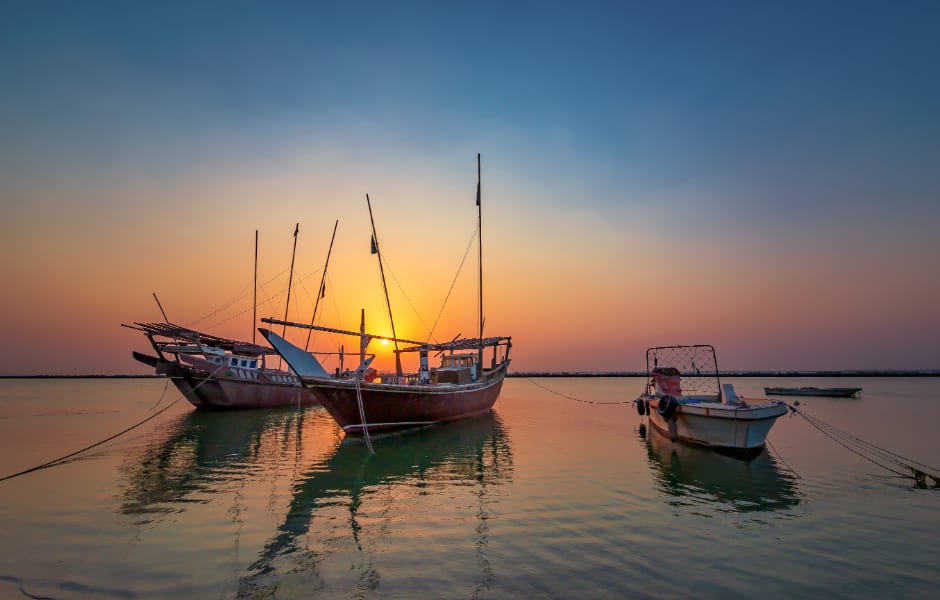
(480, 248)
(160, 306)
(322, 289)
(254, 301)
(376, 250)
(290, 279)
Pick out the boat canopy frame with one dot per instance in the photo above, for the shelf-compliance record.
(416, 346)
(695, 364)
(173, 331)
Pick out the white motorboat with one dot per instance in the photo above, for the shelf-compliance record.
(686, 400)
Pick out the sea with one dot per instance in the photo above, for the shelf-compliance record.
(562, 491)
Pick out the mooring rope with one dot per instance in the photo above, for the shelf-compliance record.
(780, 458)
(362, 413)
(53, 463)
(60, 460)
(870, 451)
(551, 391)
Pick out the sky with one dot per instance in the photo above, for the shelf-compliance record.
(760, 176)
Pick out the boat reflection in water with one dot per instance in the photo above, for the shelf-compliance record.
(310, 509)
(204, 453)
(696, 475)
(355, 501)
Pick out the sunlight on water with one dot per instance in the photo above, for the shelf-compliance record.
(545, 496)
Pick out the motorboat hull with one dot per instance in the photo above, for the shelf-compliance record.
(741, 428)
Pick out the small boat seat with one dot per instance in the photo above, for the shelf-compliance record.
(731, 397)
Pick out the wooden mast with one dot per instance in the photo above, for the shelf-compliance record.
(480, 248)
(254, 301)
(375, 248)
(160, 306)
(321, 290)
(290, 281)
(290, 278)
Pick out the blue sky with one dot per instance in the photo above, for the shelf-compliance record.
(806, 131)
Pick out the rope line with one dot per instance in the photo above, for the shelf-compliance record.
(407, 299)
(551, 391)
(870, 451)
(454, 282)
(53, 463)
(780, 458)
(61, 459)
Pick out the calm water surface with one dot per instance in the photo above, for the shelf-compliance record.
(545, 497)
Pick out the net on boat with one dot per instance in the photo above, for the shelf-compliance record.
(695, 367)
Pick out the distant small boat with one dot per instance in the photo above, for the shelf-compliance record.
(686, 400)
(813, 391)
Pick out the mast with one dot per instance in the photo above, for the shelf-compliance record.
(290, 281)
(160, 306)
(322, 290)
(254, 301)
(290, 278)
(376, 250)
(480, 248)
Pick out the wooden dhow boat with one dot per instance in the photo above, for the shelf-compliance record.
(686, 400)
(462, 385)
(364, 399)
(219, 373)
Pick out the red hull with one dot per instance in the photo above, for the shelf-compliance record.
(388, 406)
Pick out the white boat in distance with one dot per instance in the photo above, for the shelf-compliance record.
(685, 400)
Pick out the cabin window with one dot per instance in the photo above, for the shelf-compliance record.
(254, 364)
(234, 362)
(244, 363)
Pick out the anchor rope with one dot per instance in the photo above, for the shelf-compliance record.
(61, 459)
(362, 413)
(551, 391)
(780, 458)
(868, 450)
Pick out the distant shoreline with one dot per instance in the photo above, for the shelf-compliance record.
(859, 373)
(573, 374)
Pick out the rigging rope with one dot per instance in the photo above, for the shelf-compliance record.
(242, 294)
(454, 282)
(870, 451)
(407, 299)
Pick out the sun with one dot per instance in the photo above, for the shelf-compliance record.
(385, 342)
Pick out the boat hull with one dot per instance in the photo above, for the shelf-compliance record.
(222, 389)
(730, 428)
(388, 407)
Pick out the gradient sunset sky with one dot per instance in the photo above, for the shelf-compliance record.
(760, 176)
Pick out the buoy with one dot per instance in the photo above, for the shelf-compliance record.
(640, 407)
(796, 402)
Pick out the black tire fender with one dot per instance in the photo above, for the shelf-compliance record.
(667, 407)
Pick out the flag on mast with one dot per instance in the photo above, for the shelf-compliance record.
(374, 247)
